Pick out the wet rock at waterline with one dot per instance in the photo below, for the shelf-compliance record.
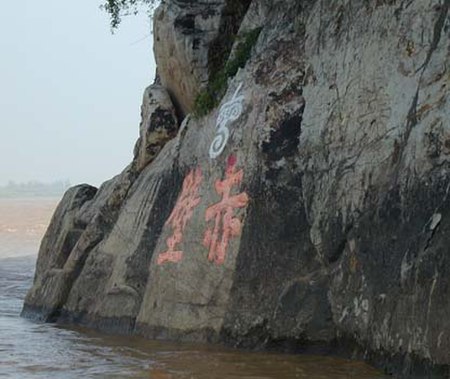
(308, 211)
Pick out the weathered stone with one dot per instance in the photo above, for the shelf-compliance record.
(321, 224)
(159, 125)
(44, 299)
(84, 217)
(116, 270)
(182, 35)
(192, 41)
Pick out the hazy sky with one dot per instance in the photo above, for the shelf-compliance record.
(70, 90)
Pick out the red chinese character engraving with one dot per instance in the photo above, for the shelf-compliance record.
(181, 214)
(222, 214)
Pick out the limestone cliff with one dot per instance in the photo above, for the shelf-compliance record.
(309, 210)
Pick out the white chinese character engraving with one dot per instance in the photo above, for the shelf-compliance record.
(229, 112)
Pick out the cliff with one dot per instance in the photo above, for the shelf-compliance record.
(289, 189)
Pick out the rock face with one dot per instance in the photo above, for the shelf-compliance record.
(158, 126)
(310, 210)
(192, 39)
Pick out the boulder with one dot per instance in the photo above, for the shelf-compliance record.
(46, 296)
(158, 126)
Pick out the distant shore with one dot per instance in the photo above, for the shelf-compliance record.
(34, 189)
(23, 222)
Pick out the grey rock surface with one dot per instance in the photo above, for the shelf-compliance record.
(49, 287)
(182, 35)
(309, 211)
(158, 126)
(192, 40)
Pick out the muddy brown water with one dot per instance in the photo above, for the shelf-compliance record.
(34, 350)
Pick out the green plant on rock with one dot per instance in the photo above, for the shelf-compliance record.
(217, 86)
(119, 8)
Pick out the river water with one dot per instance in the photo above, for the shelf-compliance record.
(33, 350)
